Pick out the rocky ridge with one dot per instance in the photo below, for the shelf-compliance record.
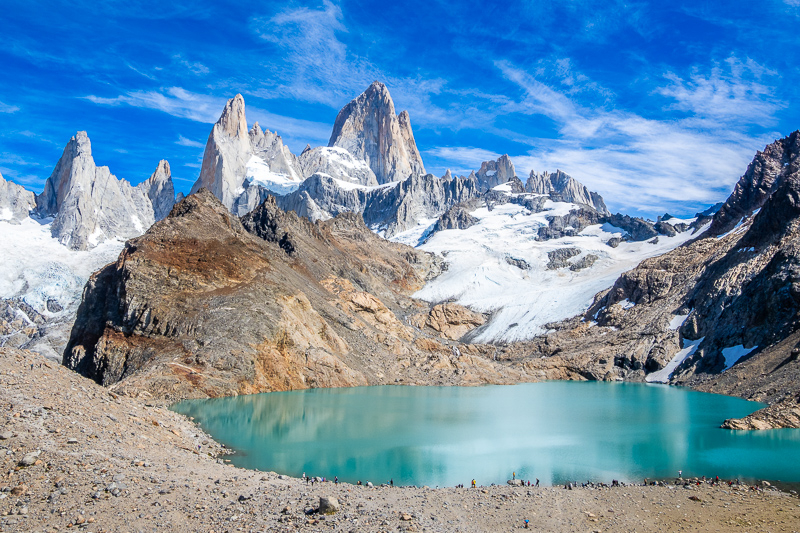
(390, 209)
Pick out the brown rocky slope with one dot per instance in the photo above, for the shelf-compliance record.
(206, 305)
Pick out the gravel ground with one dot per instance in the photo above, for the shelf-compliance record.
(101, 462)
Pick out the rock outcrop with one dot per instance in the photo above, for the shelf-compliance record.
(562, 187)
(205, 305)
(494, 173)
(453, 321)
(370, 130)
(90, 205)
(15, 201)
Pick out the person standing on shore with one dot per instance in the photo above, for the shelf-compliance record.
(473, 483)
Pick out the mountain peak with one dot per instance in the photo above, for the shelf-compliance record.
(232, 121)
(369, 129)
(494, 173)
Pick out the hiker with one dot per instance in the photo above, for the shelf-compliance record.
(307, 479)
(359, 483)
(391, 482)
(473, 483)
(513, 475)
(526, 524)
(680, 474)
(537, 481)
(335, 480)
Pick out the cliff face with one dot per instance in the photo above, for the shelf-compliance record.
(90, 205)
(763, 176)
(368, 128)
(206, 305)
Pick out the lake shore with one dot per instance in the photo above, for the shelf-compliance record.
(102, 462)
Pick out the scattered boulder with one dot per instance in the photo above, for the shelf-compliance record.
(584, 262)
(328, 505)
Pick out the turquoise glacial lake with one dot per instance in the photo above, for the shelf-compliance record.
(443, 436)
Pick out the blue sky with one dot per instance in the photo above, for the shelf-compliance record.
(659, 106)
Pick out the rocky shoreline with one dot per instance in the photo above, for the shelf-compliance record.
(77, 456)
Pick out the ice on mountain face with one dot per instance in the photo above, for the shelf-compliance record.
(37, 268)
(523, 301)
(677, 321)
(734, 353)
(258, 172)
(663, 375)
(626, 304)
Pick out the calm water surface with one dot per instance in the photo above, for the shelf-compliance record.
(554, 431)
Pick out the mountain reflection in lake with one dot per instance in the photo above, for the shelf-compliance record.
(554, 431)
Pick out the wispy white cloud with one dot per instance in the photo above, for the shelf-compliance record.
(174, 101)
(724, 95)
(195, 67)
(183, 141)
(6, 108)
(640, 163)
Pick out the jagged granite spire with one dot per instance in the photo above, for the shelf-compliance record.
(564, 187)
(227, 152)
(160, 190)
(89, 203)
(240, 166)
(368, 128)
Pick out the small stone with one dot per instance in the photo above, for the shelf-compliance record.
(405, 517)
(19, 490)
(72, 440)
(328, 505)
(6, 435)
(30, 458)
